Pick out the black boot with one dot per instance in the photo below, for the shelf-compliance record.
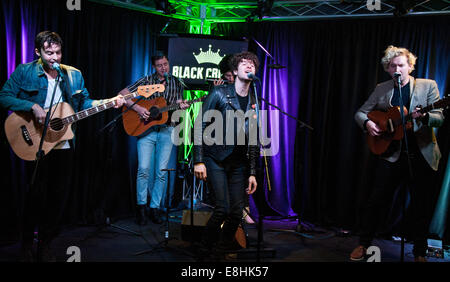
(228, 242)
(45, 253)
(141, 218)
(154, 215)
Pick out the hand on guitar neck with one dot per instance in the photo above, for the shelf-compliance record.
(119, 101)
(183, 104)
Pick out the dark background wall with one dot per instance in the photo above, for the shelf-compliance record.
(332, 67)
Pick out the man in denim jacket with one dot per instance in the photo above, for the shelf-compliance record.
(30, 89)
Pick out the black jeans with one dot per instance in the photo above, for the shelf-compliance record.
(387, 178)
(228, 181)
(45, 202)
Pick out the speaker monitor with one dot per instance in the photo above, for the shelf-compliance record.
(193, 233)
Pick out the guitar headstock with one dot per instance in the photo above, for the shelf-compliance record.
(148, 90)
(443, 103)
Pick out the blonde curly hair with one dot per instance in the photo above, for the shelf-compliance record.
(392, 52)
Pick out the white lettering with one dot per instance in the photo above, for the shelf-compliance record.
(73, 5)
(375, 253)
(373, 5)
(75, 253)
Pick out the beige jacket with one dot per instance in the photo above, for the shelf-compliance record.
(423, 92)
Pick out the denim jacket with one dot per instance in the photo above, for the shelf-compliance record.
(28, 86)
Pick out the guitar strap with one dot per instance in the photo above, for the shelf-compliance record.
(65, 80)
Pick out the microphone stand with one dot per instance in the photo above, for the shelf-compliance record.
(302, 124)
(39, 155)
(260, 215)
(177, 79)
(276, 65)
(113, 123)
(261, 198)
(402, 245)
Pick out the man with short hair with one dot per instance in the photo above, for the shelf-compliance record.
(230, 169)
(30, 89)
(392, 166)
(155, 148)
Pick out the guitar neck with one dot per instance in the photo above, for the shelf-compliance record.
(94, 110)
(176, 106)
(436, 105)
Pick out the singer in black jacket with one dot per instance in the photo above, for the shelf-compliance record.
(229, 164)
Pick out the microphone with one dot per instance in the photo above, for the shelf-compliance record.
(167, 75)
(57, 68)
(398, 77)
(251, 75)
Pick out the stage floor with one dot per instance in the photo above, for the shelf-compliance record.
(281, 243)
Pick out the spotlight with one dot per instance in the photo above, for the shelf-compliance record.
(264, 7)
(164, 6)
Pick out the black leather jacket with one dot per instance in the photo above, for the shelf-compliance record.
(223, 98)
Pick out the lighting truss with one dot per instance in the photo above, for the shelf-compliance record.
(214, 11)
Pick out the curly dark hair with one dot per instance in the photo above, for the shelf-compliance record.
(237, 58)
(49, 37)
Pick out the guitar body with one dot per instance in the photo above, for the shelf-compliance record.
(392, 131)
(241, 236)
(135, 126)
(24, 133)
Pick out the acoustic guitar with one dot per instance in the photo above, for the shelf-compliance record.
(24, 133)
(136, 126)
(390, 123)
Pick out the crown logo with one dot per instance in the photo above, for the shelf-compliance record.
(208, 56)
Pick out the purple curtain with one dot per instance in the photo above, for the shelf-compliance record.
(280, 87)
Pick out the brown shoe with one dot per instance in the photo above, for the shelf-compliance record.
(358, 253)
(420, 259)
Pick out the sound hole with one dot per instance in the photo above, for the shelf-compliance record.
(56, 124)
(154, 112)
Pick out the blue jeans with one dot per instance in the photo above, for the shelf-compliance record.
(155, 152)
